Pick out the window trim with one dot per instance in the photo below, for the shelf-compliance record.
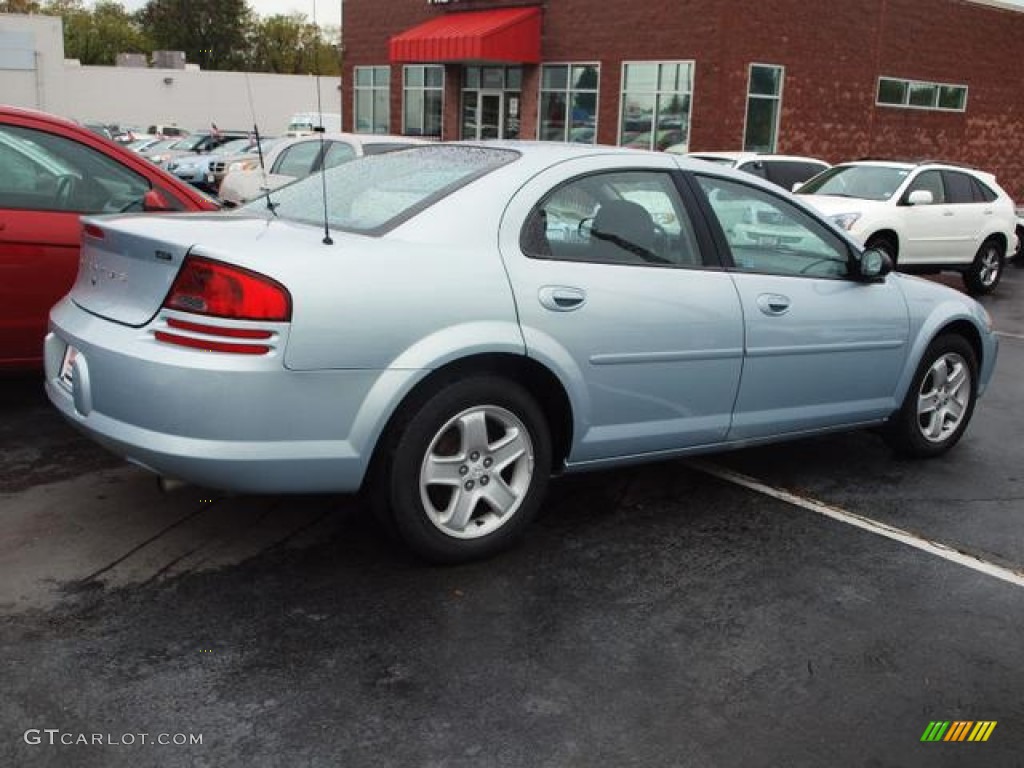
(777, 98)
(657, 93)
(910, 82)
(541, 90)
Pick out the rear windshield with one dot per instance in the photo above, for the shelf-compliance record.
(373, 194)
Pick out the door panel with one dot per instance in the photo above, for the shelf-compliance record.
(821, 349)
(649, 342)
(38, 264)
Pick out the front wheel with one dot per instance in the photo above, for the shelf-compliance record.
(468, 471)
(983, 275)
(940, 401)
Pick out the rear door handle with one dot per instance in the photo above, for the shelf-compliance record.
(561, 298)
(773, 303)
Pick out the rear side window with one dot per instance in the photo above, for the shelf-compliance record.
(622, 217)
(959, 188)
(373, 194)
(982, 192)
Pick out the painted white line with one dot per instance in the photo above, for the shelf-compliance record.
(865, 523)
(1006, 335)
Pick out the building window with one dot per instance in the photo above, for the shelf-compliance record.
(655, 104)
(568, 102)
(918, 94)
(373, 98)
(422, 90)
(764, 104)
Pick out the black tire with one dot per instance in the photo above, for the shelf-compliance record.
(986, 270)
(884, 243)
(906, 432)
(439, 427)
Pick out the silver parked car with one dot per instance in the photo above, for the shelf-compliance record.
(470, 318)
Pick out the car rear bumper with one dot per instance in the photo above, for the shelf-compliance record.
(235, 422)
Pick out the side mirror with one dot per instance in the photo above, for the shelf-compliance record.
(920, 197)
(875, 264)
(154, 202)
(797, 186)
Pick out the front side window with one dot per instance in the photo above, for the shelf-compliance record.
(768, 235)
(928, 181)
(45, 172)
(655, 104)
(626, 217)
(568, 102)
(423, 88)
(764, 104)
(372, 99)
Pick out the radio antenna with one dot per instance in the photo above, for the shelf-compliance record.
(320, 129)
(259, 146)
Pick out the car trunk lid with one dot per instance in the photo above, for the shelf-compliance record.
(128, 263)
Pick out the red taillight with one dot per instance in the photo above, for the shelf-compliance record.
(220, 290)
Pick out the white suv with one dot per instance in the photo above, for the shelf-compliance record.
(927, 216)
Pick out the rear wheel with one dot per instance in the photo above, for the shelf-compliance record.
(940, 401)
(468, 470)
(983, 275)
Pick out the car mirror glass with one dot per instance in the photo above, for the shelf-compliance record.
(875, 263)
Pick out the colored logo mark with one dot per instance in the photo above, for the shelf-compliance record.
(958, 730)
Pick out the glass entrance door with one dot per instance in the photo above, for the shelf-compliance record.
(490, 115)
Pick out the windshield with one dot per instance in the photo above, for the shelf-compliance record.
(297, 127)
(377, 192)
(867, 182)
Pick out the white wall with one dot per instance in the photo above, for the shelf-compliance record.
(41, 87)
(191, 99)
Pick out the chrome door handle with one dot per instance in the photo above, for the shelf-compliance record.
(561, 298)
(773, 303)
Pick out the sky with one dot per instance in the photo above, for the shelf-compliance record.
(328, 12)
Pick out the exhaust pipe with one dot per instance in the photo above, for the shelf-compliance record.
(169, 484)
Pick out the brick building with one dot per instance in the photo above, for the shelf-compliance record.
(836, 79)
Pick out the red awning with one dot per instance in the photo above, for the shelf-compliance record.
(502, 34)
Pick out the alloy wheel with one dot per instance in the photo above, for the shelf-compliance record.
(943, 397)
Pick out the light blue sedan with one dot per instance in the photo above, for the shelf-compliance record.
(445, 327)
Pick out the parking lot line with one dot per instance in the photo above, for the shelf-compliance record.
(865, 523)
(1005, 335)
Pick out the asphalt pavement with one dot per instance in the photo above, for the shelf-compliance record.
(657, 616)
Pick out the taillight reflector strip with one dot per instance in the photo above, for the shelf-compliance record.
(209, 345)
(216, 289)
(215, 330)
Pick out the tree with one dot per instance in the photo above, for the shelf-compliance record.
(212, 33)
(19, 6)
(97, 37)
(291, 45)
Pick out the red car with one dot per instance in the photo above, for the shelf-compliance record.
(51, 172)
